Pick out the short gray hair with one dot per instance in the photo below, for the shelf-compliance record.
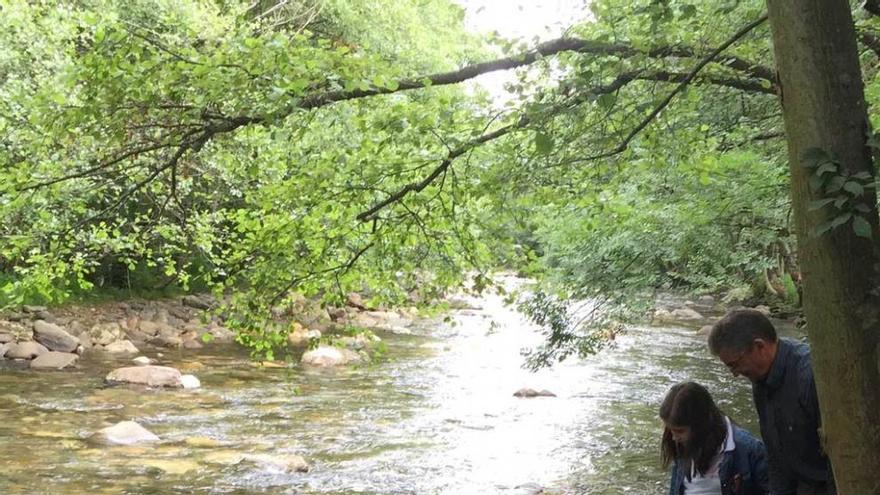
(738, 329)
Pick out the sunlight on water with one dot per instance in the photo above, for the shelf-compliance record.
(438, 418)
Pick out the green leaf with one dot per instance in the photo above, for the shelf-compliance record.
(607, 101)
(854, 188)
(543, 143)
(813, 157)
(816, 182)
(840, 220)
(825, 168)
(861, 227)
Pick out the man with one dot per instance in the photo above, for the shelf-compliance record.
(785, 397)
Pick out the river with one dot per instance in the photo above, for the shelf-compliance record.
(437, 416)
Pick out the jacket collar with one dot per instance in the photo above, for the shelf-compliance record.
(777, 369)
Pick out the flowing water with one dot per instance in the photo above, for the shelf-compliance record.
(437, 416)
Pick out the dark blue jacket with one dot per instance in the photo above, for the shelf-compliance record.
(743, 470)
(788, 409)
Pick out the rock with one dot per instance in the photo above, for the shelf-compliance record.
(706, 300)
(54, 361)
(336, 314)
(105, 333)
(33, 309)
(85, 340)
(25, 350)
(18, 330)
(198, 301)
(45, 315)
(704, 330)
(6, 338)
(54, 337)
(75, 327)
(190, 381)
(686, 314)
(221, 334)
(15, 316)
(3, 349)
(289, 463)
(300, 337)
(330, 356)
(167, 338)
(161, 316)
(142, 361)
(192, 343)
(124, 433)
(358, 342)
(530, 392)
(355, 301)
(152, 328)
(151, 376)
(121, 347)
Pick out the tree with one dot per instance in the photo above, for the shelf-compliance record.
(835, 209)
(330, 152)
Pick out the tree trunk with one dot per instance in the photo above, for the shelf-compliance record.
(824, 107)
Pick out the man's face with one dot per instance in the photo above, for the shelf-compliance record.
(750, 363)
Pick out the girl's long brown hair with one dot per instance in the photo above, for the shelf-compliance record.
(690, 404)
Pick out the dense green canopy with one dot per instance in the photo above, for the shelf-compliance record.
(331, 145)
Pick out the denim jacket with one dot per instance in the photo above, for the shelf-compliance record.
(743, 470)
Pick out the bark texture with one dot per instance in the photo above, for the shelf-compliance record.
(824, 107)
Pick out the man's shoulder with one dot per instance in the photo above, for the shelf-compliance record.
(798, 352)
(800, 363)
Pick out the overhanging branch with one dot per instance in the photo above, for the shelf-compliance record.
(690, 76)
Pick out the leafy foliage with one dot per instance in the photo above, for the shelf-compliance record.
(254, 148)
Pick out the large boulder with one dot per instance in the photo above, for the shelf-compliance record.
(54, 361)
(3, 349)
(330, 356)
(25, 350)
(121, 347)
(6, 338)
(124, 433)
(151, 376)
(54, 337)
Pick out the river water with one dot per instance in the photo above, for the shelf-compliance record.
(438, 416)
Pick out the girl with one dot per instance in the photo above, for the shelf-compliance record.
(710, 454)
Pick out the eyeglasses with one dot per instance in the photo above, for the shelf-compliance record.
(734, 363)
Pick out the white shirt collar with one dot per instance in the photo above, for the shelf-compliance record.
(729, 444)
